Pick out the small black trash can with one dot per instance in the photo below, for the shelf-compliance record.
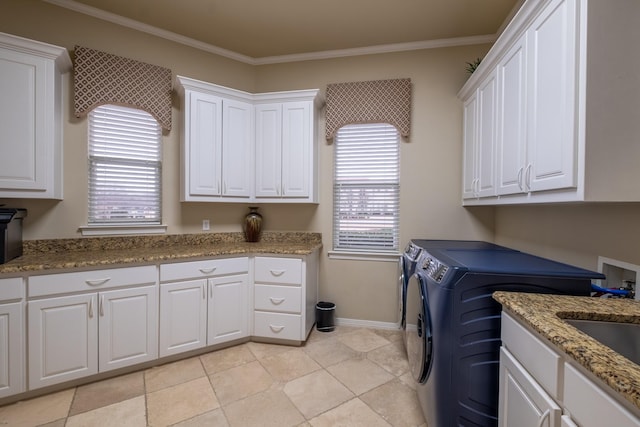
(324, 316)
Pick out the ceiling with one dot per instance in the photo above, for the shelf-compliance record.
(258, 29)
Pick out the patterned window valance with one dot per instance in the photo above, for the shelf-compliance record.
(101, 78)
(378, 101)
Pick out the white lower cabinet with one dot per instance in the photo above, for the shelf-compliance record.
(523, 401)
(228, 309)
(285, 294)
(63, 339)
(183, 319)
(12, 373)
(540, 387)
(203, 303)
(73, 336)
(590, 406)
(80, 324)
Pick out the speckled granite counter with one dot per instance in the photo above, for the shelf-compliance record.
(64, 254)
(544, 314)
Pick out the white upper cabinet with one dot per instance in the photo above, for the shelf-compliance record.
(269, 150)
(217, 143)
(512, 150)
(237, 149)
(565, 97)
(286, 151)
(551, 98)
(31, 83)
(203, 146)
(241, 147)
(480, 141)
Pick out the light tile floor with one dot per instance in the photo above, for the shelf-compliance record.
(348, 377)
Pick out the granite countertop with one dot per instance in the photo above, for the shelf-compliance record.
(64, 254)
(544, 314)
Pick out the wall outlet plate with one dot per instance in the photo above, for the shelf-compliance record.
(205, 225)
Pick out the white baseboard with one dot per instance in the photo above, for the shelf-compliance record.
(367, 323)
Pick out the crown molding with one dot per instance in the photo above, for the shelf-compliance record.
(311, 56)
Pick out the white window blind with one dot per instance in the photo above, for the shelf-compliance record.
(124, 166)
(366, 193)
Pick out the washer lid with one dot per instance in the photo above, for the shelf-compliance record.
(510, 262)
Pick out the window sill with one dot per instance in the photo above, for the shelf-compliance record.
(122, 229)
(365, 256)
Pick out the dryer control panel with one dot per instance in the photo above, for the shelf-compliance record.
(434, 268)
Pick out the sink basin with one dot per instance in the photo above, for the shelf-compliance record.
(623, 338)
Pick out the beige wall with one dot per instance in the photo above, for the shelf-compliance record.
(576, 234)
(430, 160)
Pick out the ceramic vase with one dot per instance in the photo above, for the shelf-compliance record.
(252, 225)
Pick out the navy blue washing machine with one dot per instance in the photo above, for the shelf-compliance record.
(412, 255)
(452, 332)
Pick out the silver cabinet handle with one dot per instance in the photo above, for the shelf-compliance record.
(97, 282)
(204, 296)
(91, 308)
(520, 178)
(276, 301)
(207, 270)
(102, 305)
(278, 273)
(276, 328)
(527, 180)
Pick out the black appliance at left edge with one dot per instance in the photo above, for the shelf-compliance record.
(11, 233)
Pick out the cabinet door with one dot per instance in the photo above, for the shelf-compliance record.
(269, 150)
(297, 144)
(27, 122)
(522, 401)
(228, 309)
(237, 149)
(63, 339)
(469, 149)
(511, 119)
(486, 150)
(11, 349)
(551, 140)
(183, 316)
(203, 144)
(128, 327)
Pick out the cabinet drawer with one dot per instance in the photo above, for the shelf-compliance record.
(541, 362)
(206, 268)
(11, 289)
(51, 284)
(278, 298)
(590, 405)
(277, 325)
(278, 270)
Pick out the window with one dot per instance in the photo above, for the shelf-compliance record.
(124, 167)
(366, 192)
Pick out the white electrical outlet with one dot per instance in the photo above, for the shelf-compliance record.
(205, 225)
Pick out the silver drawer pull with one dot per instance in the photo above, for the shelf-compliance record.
(276, 301)
(276, 328)
(208, 270)
(278, 273)
(97, 282)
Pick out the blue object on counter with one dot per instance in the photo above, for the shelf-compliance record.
(597, 288)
